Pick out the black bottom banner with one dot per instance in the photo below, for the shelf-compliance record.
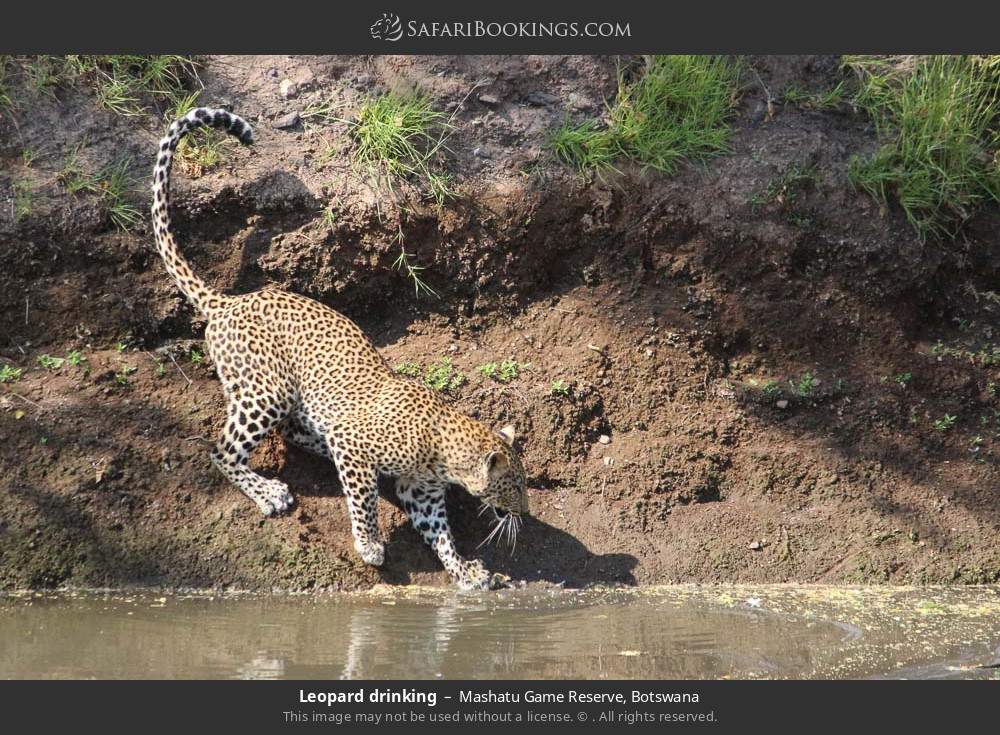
(285, 706)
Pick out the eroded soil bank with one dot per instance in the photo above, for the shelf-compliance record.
(754, 383)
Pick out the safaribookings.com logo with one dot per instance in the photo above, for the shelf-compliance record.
(390, 28)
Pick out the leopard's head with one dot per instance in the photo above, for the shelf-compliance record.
(500, 483)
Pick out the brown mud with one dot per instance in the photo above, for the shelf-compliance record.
(683, 313)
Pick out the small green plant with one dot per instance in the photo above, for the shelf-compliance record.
(442, 376)
(123, 373)
(559, 388)
(121, 345)
(771, 390)
(23, 200)
(10, 374)
(28, 156)
(329, 217)
(51, 363)
(678, 110)
(937, 119)
(805, 386)
(985, 355)
(903, 379)
(403, 265)
(823, 100)
(945, 422)
(410, 369)
(161, 368)
(75, 357)
(488, 369)
(509, 370)
(784, 189)
(196, 357)
(503, 372)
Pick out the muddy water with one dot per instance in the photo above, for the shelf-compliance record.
(672, 632)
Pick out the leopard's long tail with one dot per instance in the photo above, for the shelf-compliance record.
(204, 298)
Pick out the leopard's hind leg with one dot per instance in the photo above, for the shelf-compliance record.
(359, 478)
(250, 418)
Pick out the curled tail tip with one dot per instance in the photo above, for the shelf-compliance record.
(215, 118)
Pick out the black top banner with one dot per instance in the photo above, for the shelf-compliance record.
(448, 27)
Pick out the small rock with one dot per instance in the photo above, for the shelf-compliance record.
(288, 89)
(489, 99)
(540, 99)
(608, 461)
(604, 439)
(579, 102)
(756, 546)
(285, 122)
(782, 403)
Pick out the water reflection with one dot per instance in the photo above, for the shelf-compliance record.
(670, 634)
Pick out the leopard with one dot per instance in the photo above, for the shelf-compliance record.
(293, 365)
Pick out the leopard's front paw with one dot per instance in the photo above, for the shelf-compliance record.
(371, 552)
(475, 576)
(274, 498)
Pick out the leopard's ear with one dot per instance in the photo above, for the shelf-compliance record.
(507, 434)
(495, 463)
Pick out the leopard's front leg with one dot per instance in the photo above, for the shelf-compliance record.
(424, 504)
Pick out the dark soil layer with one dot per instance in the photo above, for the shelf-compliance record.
(667, 305)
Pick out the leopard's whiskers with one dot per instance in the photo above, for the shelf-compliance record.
(492, 534)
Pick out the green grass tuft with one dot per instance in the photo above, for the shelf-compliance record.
(200, 150)
(586, 146)
(123, 83)
(400, 137)
(6, 100)
(938, 121)
(24, 197)
(784, 188)
(824, 100)
(113, 184)
(677, 111)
